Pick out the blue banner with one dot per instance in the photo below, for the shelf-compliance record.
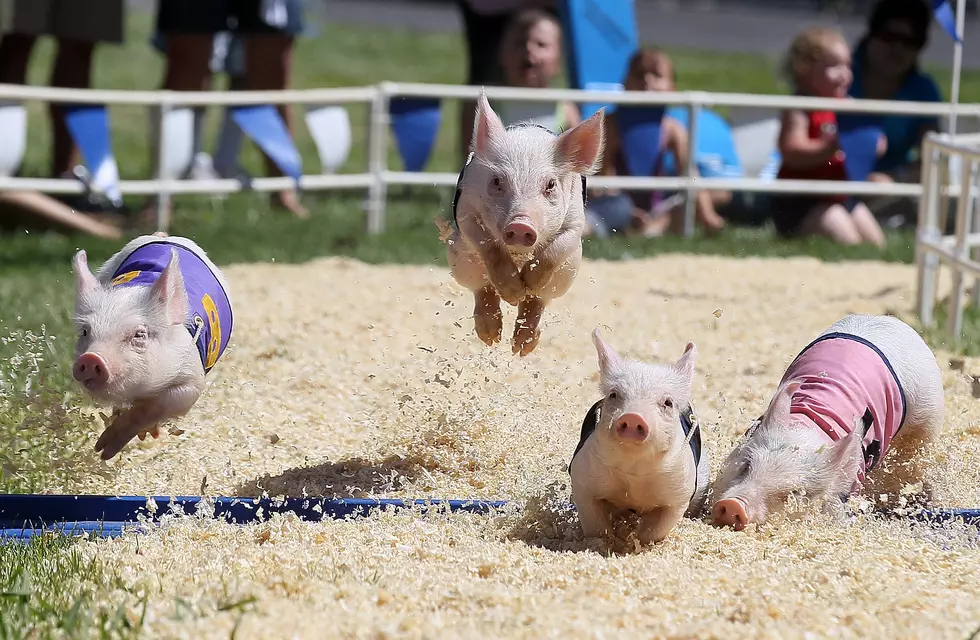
(601, 37)
(265, 127)
(946, 18)
(89, 127)
(415, 124)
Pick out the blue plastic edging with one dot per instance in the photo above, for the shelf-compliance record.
(23, 516)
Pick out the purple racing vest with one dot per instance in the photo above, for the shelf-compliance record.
(210, 318)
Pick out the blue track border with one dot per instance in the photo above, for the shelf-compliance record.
(23, 516)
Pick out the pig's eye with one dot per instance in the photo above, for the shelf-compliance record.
(613, 395)
(84, 333)
(140, 334)
(551, 185)
(668, 403)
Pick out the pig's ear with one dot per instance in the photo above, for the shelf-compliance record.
(685, 364)
(608, 358)
(169, 291)
(779, 406)
(486, 125)
(844, 456)
(85, 282)
(580, 148)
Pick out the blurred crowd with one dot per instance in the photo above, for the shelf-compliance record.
(519, 43)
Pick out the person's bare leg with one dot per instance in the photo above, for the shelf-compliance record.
(867, 226)
(833, 222)
(268, 66)
(187, 69)
(72, 69)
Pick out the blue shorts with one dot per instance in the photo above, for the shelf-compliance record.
(237, 16)
(610, 214)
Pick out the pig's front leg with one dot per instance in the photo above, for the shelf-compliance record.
(144, 416)
(501, 271)
(469, 270)
(526, 328)
(593, 514)
(562, 256)
(656, 524)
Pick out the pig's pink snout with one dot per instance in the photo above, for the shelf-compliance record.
(632, 426)
(92, 371)
(520, 234)
(730, 512)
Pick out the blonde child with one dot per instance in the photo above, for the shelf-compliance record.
(611, 210)
(819, 64)
(530, 56)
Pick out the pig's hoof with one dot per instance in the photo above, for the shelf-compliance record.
(489, 327)
(525, 340)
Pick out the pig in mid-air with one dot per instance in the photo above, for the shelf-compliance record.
(151, 323)
(866, 388)
(640, 448)
(518, 215)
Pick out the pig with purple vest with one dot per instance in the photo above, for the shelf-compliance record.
(867, 389)
(152, 322)
(518, 216)
(640, 449)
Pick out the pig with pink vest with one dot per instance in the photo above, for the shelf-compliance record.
(518, 217)
(152, 322)
(867, 390)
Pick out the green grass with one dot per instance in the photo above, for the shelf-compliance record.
(48, 588)
(48, 583)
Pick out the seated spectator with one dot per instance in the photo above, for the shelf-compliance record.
(77, 26)
(818, 64)
(885, 67)
(530, 56)
(484, 22)
(651, 213)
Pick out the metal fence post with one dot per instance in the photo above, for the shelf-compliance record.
(377, 160)
(690, 202)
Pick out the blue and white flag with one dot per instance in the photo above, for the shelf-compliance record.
(946, 17)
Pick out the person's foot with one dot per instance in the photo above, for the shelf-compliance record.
(289, 201)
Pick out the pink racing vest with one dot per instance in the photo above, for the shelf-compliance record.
(845, 377)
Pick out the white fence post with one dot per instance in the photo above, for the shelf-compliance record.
(163, 196)
(928, 231)
(378, 160)
(690, 202)
(963, 219)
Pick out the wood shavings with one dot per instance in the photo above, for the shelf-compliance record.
(356, 417)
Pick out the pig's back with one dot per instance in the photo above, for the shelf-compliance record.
(845, 377)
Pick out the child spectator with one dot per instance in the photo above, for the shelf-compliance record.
(530, 56)
(819, 64)
(651, 213)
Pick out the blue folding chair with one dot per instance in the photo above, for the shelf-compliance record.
(415, 124)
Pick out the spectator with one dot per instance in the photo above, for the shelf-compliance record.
(650, 213)
(530, 56)
(818, 64)
(77, 26)
(268, 29)
(885, 67)
(484, 22)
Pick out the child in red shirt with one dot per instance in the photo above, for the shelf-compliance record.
(819, 64)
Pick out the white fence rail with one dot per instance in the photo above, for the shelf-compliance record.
(943, 158)
(378, 177)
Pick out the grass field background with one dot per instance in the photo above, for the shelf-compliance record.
(47, 583)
